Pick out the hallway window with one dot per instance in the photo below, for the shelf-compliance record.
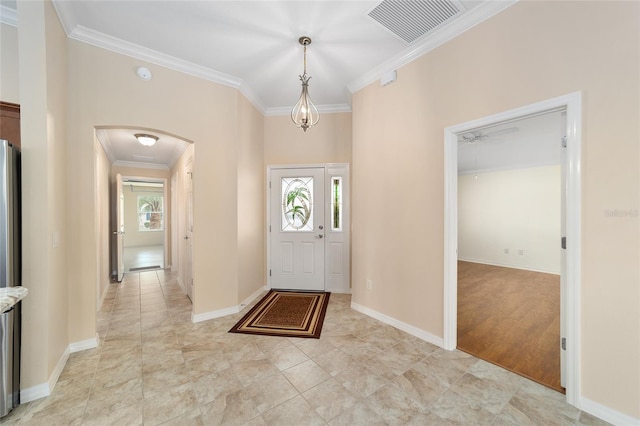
(150, 213)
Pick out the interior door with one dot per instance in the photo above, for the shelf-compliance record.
(119, 232)
(297, 229)
(188, 235)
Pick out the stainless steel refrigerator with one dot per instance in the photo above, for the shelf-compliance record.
(10, 275)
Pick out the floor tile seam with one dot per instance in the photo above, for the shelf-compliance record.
(244, 387)
(358, 397)
(427, 405)
(465, 397)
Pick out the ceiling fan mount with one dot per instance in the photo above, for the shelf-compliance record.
(478, 135)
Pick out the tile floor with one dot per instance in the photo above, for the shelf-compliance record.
(143, 256)
(153, 366)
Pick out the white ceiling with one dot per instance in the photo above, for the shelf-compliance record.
(253, 46)
(529, 142)
(123, 149)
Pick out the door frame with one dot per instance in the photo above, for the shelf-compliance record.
(331, 169)
(572, 103)
(165, 194)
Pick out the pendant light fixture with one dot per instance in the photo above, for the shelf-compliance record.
(305, 114)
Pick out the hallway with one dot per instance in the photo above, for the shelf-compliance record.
(143, 257)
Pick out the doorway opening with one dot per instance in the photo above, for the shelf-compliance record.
(569, 344)
(145, 222)
(510, 262)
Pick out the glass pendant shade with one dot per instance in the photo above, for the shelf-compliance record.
(305, 114)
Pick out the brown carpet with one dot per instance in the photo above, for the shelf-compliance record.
(287, 314)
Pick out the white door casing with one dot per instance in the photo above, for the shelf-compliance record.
(563, 252)
(572, 104)
(332, 255)
(119, 232)
(338, 230)
(188, 232)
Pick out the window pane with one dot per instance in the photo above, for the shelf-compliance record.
(150, 212)
(336, 203)
(297, 204)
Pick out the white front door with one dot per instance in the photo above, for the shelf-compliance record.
(297, 228)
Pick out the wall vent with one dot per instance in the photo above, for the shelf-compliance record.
(411, 19)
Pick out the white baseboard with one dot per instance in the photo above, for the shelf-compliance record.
(414, 331)
(227, 311)
(44, 389)
(251, 298)
(214, 314)
(34, 392)
(83, 345)
(607, 414)
(508, 265)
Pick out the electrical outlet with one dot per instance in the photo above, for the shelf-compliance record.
(506, 251)
(521, 252)
(369, 285)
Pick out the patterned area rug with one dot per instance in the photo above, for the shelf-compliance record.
(287, 314)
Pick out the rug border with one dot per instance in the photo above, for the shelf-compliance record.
(315, 335)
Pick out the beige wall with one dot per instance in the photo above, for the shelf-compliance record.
(530, 52)
(9, 82)
(42, 53)
(251, 201)
(328, 142)
(175, 103)
(511, 209)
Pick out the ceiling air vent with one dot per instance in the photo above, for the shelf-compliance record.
(411, 19)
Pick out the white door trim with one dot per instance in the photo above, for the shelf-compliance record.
(330, 170)
(573, 105)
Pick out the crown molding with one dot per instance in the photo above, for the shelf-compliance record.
(126, 48)
(442, 35)
(105, 141)
(117, 45)
(322, 109)
(178, 149)
(139, 165)
(65, 15)
(251, 96)
(8, 16)
(114, 44)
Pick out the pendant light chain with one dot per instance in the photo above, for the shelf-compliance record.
(304, 114)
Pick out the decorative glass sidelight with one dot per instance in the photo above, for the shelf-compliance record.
(336, 203)
(297, 204)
